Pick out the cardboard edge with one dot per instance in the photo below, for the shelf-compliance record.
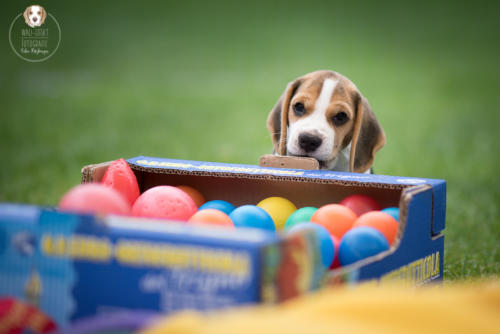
(268, 177)
(95, 172)
(406, 197)
(438, 208)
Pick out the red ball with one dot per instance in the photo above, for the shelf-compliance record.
(164, 202)
(120, 177)
(381, 221)
(361, 204)
(94, 198)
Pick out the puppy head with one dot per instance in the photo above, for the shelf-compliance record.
(35, 15)
(321, 114)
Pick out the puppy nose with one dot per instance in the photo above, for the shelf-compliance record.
(35, 19)
(308, 142)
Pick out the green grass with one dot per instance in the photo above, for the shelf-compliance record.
(196, 81)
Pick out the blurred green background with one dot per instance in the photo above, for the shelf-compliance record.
(196, 79)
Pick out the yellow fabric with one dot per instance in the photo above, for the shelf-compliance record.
(458, 308)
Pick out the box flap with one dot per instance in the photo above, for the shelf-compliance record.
(239, 170)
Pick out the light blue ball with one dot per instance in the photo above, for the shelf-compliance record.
(327, 249)
(252, 216)
(393, 211)
(220, 205)
(360, 243)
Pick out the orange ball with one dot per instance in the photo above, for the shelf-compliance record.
(336, 218)
(211, 217)
(381, 221)
(197, 197)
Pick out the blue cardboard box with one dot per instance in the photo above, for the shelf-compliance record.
(65, 267)
(58, 267)
(415, 258)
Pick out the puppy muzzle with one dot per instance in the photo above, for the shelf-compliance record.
(309, 143)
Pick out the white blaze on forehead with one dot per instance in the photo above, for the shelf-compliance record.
(325, 96)
(315, 124)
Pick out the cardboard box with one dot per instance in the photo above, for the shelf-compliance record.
(75, 266)
(57, 268)
(417, 255)
(64, 267)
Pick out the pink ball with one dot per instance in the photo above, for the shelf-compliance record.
(94, 198)
(164, 202)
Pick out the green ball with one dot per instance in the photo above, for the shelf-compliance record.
(302, 215)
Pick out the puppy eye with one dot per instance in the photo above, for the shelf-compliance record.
(299, 109)
(340, 119)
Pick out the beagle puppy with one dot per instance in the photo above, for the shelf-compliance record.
(35, 16)
(324, 116)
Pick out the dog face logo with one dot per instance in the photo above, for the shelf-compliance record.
(34, 34)
(35, 16)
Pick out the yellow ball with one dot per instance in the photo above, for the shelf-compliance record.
(279, 209)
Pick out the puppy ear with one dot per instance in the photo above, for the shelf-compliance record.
(277, 121)
(25, 14)
(274, 124)
(44, 15)
(368, 136)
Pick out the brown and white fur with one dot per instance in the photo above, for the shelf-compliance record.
(323, 115)
(34, 16)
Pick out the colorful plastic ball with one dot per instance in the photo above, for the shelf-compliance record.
(336, 218)
(252, 216)
(120, 177)
(326, 246)
(195, 195)
(381, 221)
(360, 243)
(217, 204)
(299, 216)
(336, 244)
(361, 204)
(393, 211)
(164, 202)
(279, 209)
(211, 217)
(94, 198)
